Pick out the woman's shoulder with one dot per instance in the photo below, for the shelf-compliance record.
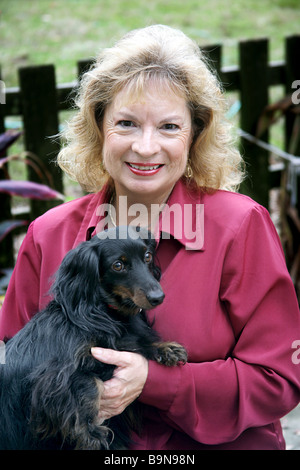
(68, 221)
(221, 209)
(65, 212)
(230, 209)
(216, 201)
(238, 202)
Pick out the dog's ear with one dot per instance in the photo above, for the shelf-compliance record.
(76, 285)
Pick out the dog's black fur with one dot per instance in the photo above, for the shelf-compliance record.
(50, 385)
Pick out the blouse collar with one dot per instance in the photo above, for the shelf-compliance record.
(182, 217)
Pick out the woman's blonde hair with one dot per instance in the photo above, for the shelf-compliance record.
(171, 58)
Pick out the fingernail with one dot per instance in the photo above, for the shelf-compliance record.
(97, 352)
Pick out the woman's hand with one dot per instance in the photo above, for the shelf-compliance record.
(127, 382)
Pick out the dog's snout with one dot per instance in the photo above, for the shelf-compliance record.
(155, 297)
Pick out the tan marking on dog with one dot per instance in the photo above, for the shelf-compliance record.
(122, 292)
(140, 299)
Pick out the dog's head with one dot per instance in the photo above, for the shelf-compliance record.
(127, 270)
(116, 267)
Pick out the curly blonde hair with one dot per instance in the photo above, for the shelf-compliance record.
(169, 56)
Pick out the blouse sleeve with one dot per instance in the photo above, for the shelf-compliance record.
(259, 382)
(22, 296)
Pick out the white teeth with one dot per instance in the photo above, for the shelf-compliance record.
(144, 167)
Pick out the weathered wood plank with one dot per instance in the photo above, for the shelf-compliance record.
(254, 98)
(40, 118)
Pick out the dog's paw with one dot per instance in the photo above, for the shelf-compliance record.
(170, 354)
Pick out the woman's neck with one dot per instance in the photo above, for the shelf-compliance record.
(136, 210)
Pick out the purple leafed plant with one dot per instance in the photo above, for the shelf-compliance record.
(26, 189)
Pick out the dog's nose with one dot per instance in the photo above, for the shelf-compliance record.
(155, 297)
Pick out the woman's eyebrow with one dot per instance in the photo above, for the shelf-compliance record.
(167, 118)
(124, 114)
(172, 117)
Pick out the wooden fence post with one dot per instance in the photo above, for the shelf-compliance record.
(83, 66)
(6, 245)
(40, 118)
(254, 97)
(214, 55)
(292, 64)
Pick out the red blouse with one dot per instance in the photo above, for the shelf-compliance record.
(229, 300)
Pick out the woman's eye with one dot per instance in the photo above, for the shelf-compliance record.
(170, 127)
(118, 266)
(125, 123)
(148, 257)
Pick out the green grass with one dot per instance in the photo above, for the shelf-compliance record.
(64, 31)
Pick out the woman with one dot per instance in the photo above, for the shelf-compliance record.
(150, 130)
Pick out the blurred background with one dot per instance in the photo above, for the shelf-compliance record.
(64, 31)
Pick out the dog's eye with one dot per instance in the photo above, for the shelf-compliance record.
(148, 257)
(118, 266)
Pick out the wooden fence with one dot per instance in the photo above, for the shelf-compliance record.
(39, 100)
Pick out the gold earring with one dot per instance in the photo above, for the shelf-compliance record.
(188, 171)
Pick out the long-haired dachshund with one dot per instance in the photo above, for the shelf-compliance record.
(51, 385)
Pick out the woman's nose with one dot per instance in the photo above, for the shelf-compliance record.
(146, 144)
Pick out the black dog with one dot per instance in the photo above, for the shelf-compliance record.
(50, 385)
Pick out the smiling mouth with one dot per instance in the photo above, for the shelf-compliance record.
(144, 169)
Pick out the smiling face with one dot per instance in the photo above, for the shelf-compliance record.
(146, 142)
